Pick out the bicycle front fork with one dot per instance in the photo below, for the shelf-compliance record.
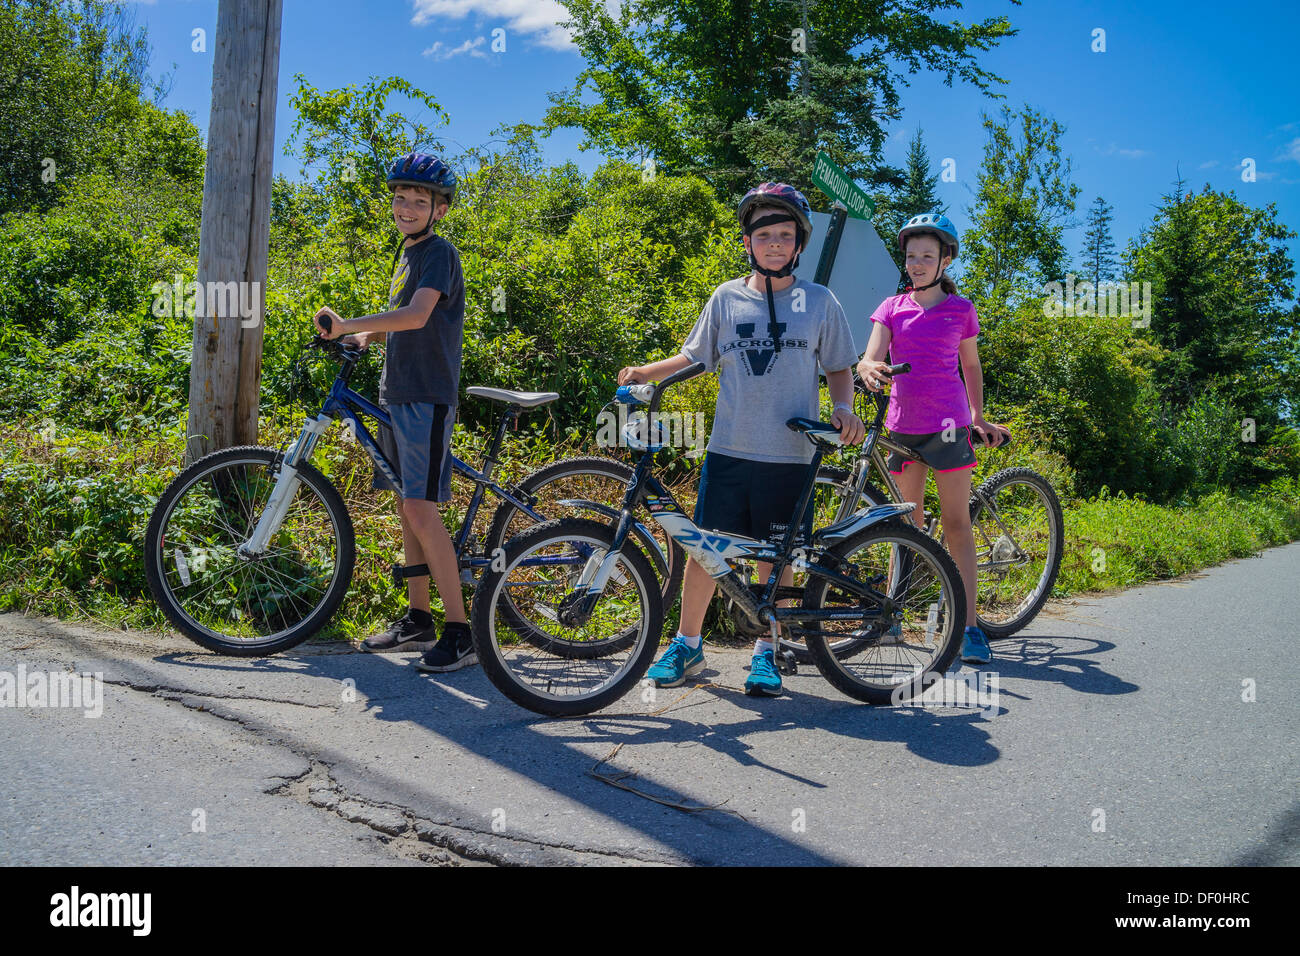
(286, 486)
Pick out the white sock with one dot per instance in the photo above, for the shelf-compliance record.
(692, 642)
(761, 647)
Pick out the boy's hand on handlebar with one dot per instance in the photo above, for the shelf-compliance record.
(360, 341)
(632, 375)
(874, 375)
(852, 430)
(336, 323)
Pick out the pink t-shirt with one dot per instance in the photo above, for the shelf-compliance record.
(933, 390)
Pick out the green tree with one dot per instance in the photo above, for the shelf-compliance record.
(1098, 244)
(1224, 308)
(68, 73)
(1023, 202)
(735, 90)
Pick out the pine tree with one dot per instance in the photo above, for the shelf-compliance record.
(920, 186)
(1098, 244)
(917, 194)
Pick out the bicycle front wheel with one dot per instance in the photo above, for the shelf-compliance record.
(912, 614)
(1019, 538)
(532, 647)
(247, 605)
(829, 493)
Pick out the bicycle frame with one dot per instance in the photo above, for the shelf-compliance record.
(339, 404)
(714, 549)
(871, 456)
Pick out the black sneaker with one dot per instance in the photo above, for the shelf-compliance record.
(454, 651)
(403, 635)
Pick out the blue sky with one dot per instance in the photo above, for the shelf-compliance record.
(1193, 87)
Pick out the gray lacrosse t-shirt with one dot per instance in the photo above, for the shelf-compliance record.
(759, 388)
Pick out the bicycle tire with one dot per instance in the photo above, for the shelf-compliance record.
(183, 610)
(1027, 608)
(829, 477)
(492, 630)
(938, 587)
(506, 521)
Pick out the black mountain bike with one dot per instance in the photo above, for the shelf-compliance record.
(888, 595)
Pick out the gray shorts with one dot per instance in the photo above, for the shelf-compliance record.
(419, 448)
(934, 451)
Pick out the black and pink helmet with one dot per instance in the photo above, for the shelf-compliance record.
(783, 196)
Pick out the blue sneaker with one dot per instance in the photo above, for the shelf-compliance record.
(763, 677)
(677, 663)
(975, 646)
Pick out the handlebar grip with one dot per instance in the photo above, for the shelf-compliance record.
(902, 368)
(681, 375)
(326, 322)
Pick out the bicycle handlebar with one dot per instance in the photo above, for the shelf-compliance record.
(681, 375)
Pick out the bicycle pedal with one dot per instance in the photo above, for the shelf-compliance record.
(787, 664)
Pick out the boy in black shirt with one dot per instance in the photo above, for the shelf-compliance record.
(419, 387)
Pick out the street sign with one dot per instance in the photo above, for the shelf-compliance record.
(836, 184)
(864, 273)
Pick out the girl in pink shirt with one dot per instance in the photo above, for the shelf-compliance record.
(931, 410)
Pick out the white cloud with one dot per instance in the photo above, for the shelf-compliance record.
(440, 50)
(1292, 150)
(1113, 150)
(539, 19)
(1210, 165)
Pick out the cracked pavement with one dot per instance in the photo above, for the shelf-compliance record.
(1129, 704)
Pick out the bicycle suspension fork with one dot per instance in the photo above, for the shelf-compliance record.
(286, 486)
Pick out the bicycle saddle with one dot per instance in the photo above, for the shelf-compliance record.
(815, 430)
(525, 399)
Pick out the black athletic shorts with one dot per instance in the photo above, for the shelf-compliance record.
(753, 498)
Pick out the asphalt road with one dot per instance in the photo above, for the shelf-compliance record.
(1152, 726)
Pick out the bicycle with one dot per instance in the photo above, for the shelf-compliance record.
(1015, 516)
(250, 550)
(871, 581)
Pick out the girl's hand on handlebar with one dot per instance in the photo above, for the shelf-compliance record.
(336, 324)
(632, 375)
(990, 435)
(852, 430)
(874, 375)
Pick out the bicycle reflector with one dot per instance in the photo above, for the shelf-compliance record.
(638, 434)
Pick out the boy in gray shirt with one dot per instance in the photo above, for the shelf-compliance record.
(766, 335)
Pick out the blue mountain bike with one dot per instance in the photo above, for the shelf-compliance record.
(250, 550)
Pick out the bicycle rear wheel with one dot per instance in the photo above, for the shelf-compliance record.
(247, 606)
(596, 479)
(1019, 540)
(911, 625)
(530, 647)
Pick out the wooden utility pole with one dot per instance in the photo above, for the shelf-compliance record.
(226, 369)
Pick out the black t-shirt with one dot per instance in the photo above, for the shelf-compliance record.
(423, 365)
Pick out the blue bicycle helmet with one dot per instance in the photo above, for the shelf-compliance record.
(931, 224)
(422, 169)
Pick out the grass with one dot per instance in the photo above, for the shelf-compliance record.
(74, 506)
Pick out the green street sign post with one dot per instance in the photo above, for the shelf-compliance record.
(847, 199)
(836, 184)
